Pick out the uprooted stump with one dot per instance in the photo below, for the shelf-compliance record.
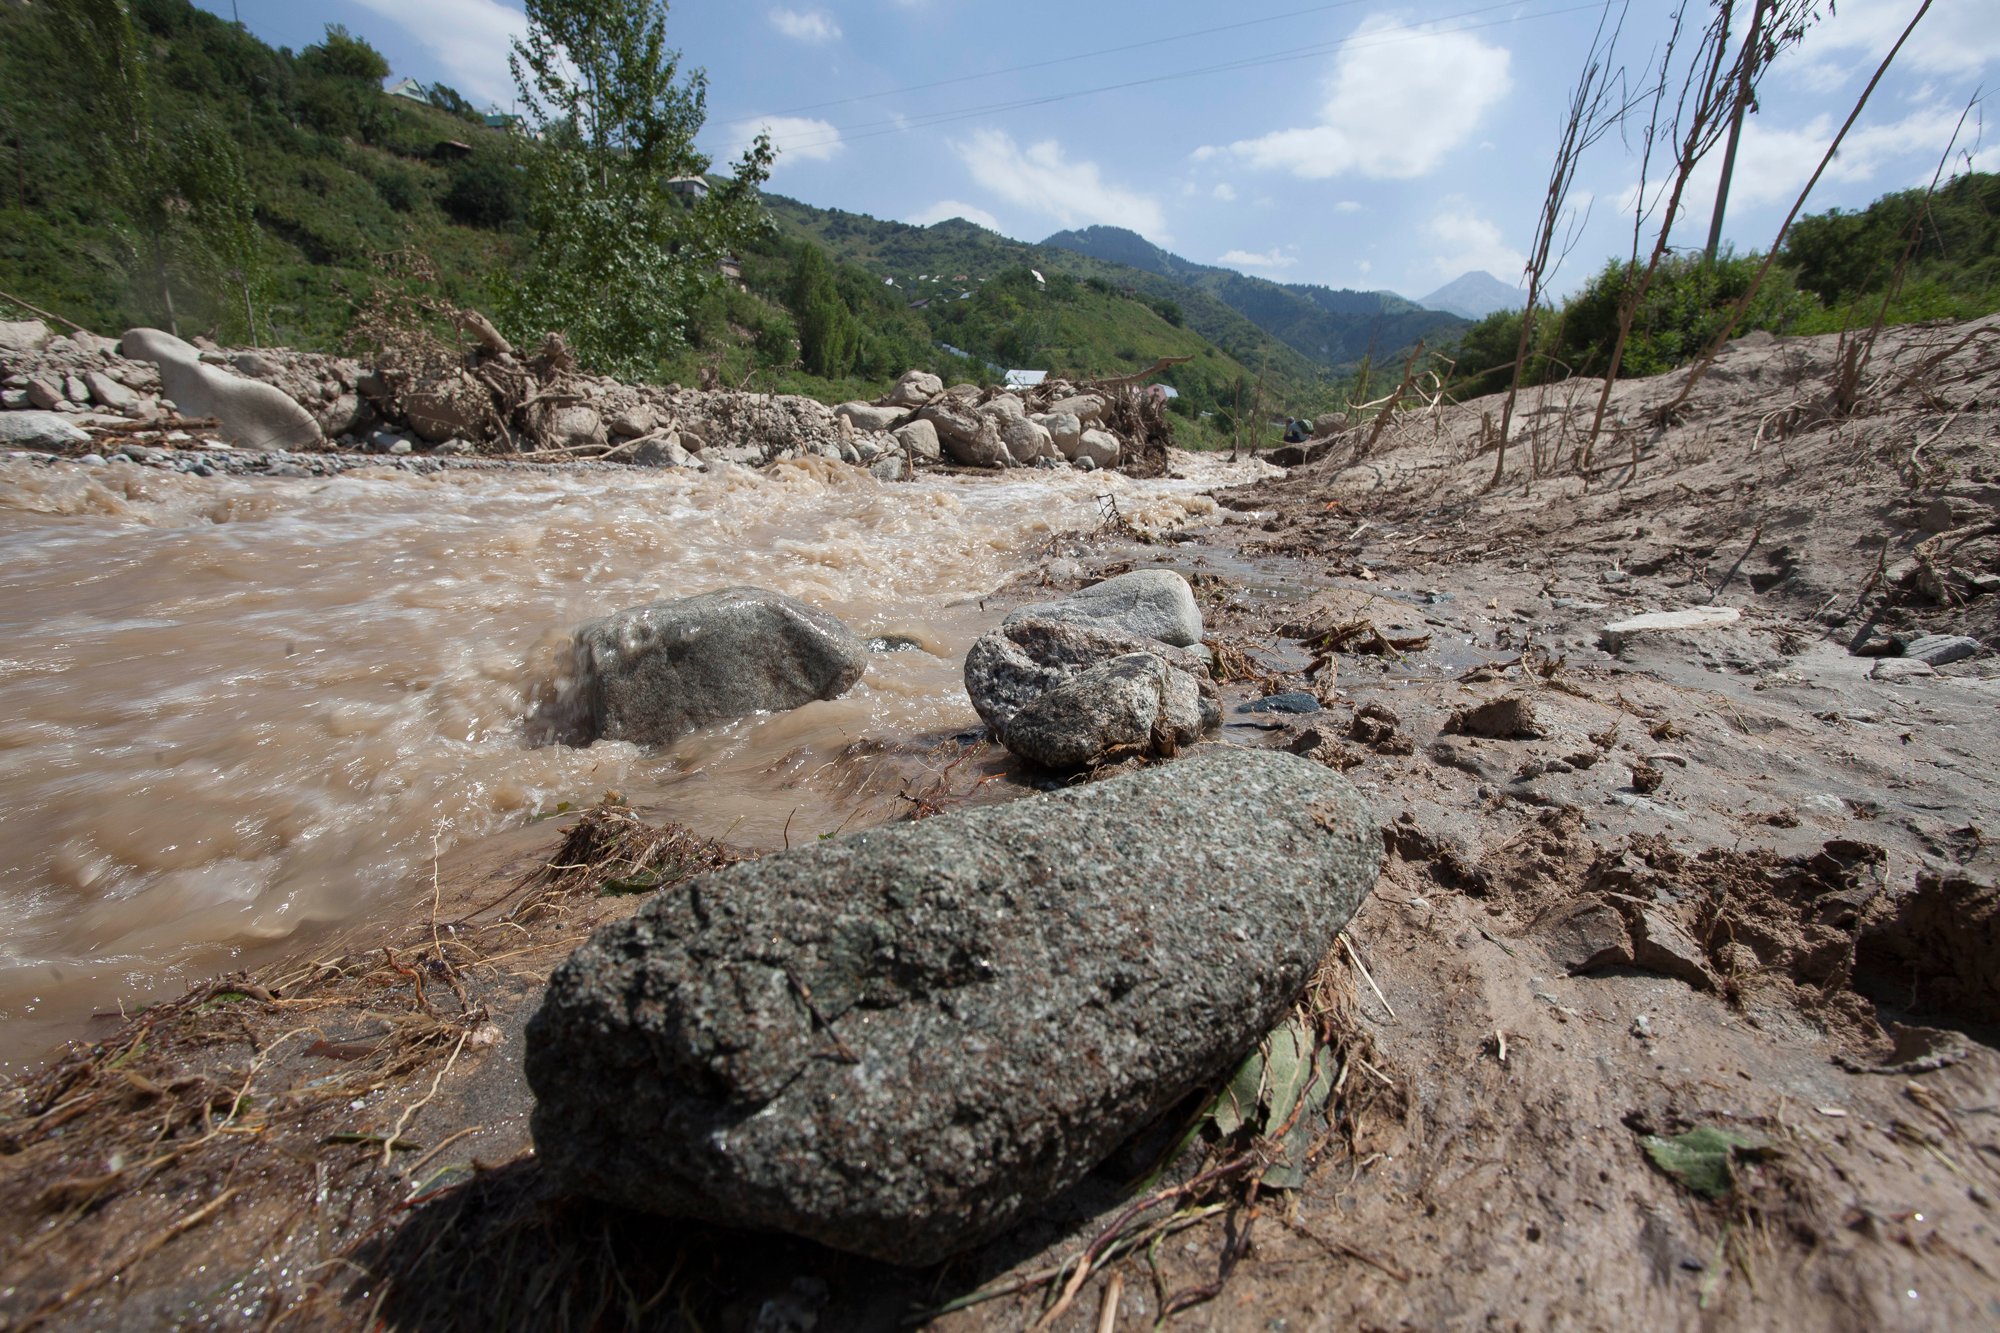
(901, 1042)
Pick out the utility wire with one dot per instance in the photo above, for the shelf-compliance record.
(899, 124)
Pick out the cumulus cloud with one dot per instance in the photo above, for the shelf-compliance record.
(1952, 39)
(1224, 191)
(1245, 259)
(809, 26)
(795, 136)
(1468, 241)
(1773, 164)
(1041, 179)
(469, 38)
(952, 208)
(1392, 118)
(1347, 206)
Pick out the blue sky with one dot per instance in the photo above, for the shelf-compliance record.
(1355, 144)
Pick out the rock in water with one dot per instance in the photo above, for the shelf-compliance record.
(253, 414)
(38, 430)
(1009, 668)
(654, 673)
(902, 1041)
(1152, 603)
(1136, 700)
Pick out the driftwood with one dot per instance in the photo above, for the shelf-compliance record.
(43, 313)
(1148, 373)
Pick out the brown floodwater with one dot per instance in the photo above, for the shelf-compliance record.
(234, 709)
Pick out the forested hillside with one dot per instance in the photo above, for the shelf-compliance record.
(1334, 327)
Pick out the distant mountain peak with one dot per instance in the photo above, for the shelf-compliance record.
(1475, 295)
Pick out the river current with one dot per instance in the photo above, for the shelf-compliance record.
(234, 708)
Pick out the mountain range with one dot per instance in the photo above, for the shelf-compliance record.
(1335, 327)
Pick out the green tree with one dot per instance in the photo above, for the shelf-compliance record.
(830, 338)
(625, 243)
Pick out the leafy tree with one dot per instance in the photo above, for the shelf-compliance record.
(485, 192)
(447, 98)
(830, 338)
(1680, 312)
(621, 258)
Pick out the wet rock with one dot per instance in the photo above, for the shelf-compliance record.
(38, 430)
(969, 437)
(915, 388)
(1135, 701)
(578, 423)
(1938, 649)
(1009, 668)
(654, 673)
(920, 438)
(253, 414)
(1065, 431)
(890, 467)
(663, 452)
(1101, 448)
(1616, 636)
(1291, 701)
(1509, 717)
(1026, 442)
(1152, 603)
(868, 417)
(902, 1041)
(632, 420)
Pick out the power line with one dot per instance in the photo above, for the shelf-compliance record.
(900, 124)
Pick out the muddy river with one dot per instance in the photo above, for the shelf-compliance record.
(233, 709)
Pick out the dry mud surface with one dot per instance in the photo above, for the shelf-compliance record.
(1730, 878)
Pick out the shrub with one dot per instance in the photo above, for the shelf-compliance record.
(486, 192)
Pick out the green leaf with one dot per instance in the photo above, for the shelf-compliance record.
(1291, 1066)
(1700, 1159)
(1238, 1102)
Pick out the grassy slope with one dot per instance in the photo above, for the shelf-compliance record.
(329, 205)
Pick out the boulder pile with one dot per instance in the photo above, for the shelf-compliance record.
(158, 390)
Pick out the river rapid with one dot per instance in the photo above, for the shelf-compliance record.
(233, 709)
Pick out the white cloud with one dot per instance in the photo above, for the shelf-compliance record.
(811, 26)
(794, 136)
(952, 208)
(1365, 267)
(1224, 191)
(1244, 259)
(1471, 242)
(1390, 117)
(1347, 206)
(1952, 39)
(1773, 165)
(1041, 179)
(469, 38)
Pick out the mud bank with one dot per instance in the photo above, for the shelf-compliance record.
(1712, 880)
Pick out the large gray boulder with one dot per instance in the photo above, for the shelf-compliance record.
(109, 393)
(654, 673)
(1135, 704)
(1101, 447)
(1065, 431)
(1152, 603)
(1025, 440)
(868, 417)
(968, 436)
(23, 337)
(1084, 407)
(903, 1041)
(253, 414)
(1009, 668)
(38, 430)
(921, 439)
(915, 388)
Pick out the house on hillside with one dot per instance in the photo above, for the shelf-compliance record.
(689, 187)
(1025, 379)
(412, 90)
(730, 268)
